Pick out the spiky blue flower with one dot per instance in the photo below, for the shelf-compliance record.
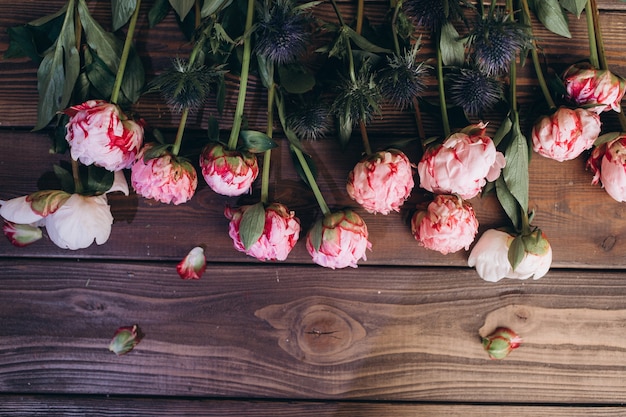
(282, 33)
(433, 14)
(403, 78)
(359, 99)
(473, 91)
(496, 40)
(310, 119)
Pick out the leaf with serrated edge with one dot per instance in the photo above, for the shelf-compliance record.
(252, 224)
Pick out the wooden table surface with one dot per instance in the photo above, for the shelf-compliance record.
(397, 336)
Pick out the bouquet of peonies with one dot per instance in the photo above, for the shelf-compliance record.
(474, 71)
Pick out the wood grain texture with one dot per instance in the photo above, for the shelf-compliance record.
(27, 406)
(585, 226)
(301, 332)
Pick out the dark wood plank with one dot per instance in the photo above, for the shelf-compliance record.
(16, 406)
(585, 226)
(301, 332)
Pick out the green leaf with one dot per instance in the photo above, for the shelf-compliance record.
(21, 43)
(515, 171)
(65, 178)
(58, 72)
(103, 43)
(344, 130)
(252, 225)
(99, 180)
(134, 77)
(516, 252)
(503, 130)
(574, 6)
(607, 137)
(452, 47)
(296, 79)
(549, 13)
(309, 161)
(256, 142)
(211, 6)
(508, 202)
(315, 234)
(158, 11)
(266, 71)
(98, 73)
(363, 43)
(121, 11)
(182, 7)
(156, 151)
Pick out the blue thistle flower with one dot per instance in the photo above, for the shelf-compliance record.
(433, 14)
(281, 33)
(495, 41)
(310, 119)
(402, 79)
(473, 91)
(358, 99)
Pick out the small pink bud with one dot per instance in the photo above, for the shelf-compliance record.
(125, 339)
(21, 235)
(501, 342)
(193, 265)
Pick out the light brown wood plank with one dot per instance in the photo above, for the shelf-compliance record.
(301, 332)
(13, 406)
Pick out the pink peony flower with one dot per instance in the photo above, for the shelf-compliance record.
(338, 240)
(381, 182)
(73, 221)
(608, 164)
(280, 232)
(448, 225)
(599, 89)
(100, 133)
(462, 164)
(193, 265)
(21, 235)
(490, 257)
(566, 133)
(166, 178)
(228, 172)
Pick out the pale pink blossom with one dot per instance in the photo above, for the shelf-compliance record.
(381, 182)
(338, 240)
(462, 164)
(608, 164)
(166, 178)
(193, 264)
(566, 133)
(448, 225)
(490, 257)
(100, 133)
(600, 90)
(72, 221)
(281, 231)
(228, 172)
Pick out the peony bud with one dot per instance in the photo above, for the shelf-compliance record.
(566, 133)
(166, 178)
(193, 265)
(228, 172)
(338, 240)
(501, 342)
(490, 256)
(381, 182)
(279, 230)
(448, 225)
(608, 164)
(125, 339)
(21, 235)
(600, 90)
(100, 133)
(462, 164)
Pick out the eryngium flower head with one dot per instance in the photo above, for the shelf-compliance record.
(309, 120)
(433, 14)
(184, 85)
(496, 39)
(358, 99)
(282, 34)
(402, 79)
(473, 91)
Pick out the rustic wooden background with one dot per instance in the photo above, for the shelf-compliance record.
(404, 328)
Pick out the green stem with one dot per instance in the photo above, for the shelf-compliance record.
(265, 176)
(359, 16)
(181, 131)
(78, 185)
(125, 52)
(243, 79)
(591, 34)
(394, 26)
(351, 71)
(311, 179)
(442, 92)
(366, 141)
